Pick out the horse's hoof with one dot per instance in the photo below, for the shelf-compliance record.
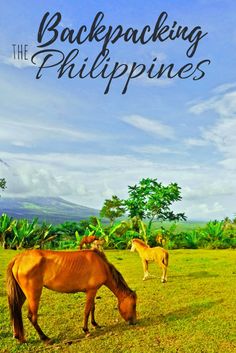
(100, 327)
(48, 342)
(88, 334)
(23, 340)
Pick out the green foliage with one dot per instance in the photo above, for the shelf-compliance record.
(3, 183)
(68, 229)
(214, 235)
(108, 233)
(214, 230)
(17, 234)
(42, 235)
(22, 233)
(68, 234)
(151, 200)
(113, 208)
(6, 224)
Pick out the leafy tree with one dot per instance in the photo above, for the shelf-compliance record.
(3, 183)
(113, 208)
(151, 200)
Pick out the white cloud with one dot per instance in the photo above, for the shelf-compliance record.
(154, 149)
(195, 142)
(19, 64)
(220, 134)
(153, 127)
(223, 136)
(223, 105)
(228, 164)
(223, 88)
(27, 134)
(90, 178)
(151, 149)
(161, 82)
(207, 211)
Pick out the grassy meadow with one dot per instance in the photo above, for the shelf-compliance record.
(193, 312)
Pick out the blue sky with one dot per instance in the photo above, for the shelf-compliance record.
(64, 137)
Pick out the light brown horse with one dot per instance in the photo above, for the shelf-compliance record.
(98, 244)
(87, 240)
(147, 254)
(65, 272)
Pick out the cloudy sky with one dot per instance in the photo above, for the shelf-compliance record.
(64, 137)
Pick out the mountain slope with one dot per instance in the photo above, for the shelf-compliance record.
(50, 209)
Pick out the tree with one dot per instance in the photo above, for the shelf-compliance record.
(2, 183)
(151, 200)
(113, 208)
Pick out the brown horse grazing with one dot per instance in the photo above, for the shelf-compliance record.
(87, 240)
(65, 272)
(147, 254)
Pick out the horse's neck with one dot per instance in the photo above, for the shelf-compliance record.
(120, 293)
(141, 248)
(115, 290)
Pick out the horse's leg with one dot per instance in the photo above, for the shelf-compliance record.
(164, 271)
(164, 274)
(93, 322)
(90, 295)
(145, 269)
(33, 305)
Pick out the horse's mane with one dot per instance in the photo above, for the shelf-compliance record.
(116, 275)
(141, 242)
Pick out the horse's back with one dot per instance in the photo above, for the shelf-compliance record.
(161, 254)
(156, 253)
(27, 261)
(63, 271)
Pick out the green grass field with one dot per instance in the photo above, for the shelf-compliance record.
(194, 312)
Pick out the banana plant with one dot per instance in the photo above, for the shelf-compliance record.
(42, 234)
(97, 228)
(214, 230)
(23, 232)
(6, 224)
(105, 233)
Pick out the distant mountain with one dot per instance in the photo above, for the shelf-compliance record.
(51, 209)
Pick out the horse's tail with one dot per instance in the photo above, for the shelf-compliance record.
(165, 259)
(16, 299)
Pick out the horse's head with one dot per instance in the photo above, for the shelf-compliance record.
(127, 308)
